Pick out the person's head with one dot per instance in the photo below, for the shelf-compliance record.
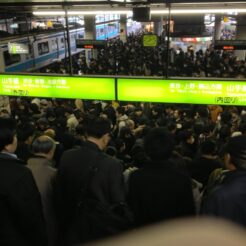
(98, 130)
(235, 153)
(44, 146)
(226, 117)
(208, 147)
(68, 111)
(50, 133)
(120, 111)
(8, 139)
(42, 124)
(159, 144)
(188, 136)
(25, 132)
(138, 111)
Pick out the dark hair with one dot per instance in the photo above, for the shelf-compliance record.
(69, 110)
(224, 132)
(34, 108)
(24, 131)
(159, 144)
(208, 147)
(226, 117)
(111, 151)
(242, 127)
(96, 126)
(186, 134)
(138, 109)
(236, 147)
(124, 131)
(121, 110)
(7, 131)
(43, 144)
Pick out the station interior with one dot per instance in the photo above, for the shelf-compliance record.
(154, 91)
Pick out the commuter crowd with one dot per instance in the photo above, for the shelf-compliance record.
(76, 171)
(133, 59)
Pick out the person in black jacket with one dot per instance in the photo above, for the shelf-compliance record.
(21, 218)
(159, 191)
(228, 199)
(25, 135)
(107, 185)
(205, 163)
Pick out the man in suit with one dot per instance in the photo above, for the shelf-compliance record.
(21, 218)
(106, 185)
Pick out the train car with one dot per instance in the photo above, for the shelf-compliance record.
(43, 50)
(107, 30)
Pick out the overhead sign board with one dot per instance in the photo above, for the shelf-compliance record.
(90, 44)
(150, 40)
(230, 44)
(57, 87)
(182, 91)
(17, 48)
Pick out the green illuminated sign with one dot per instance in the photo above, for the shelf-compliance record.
(150, 40)
(57, 87)
(182, 91)
(145, 90)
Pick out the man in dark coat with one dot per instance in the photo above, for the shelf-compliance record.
(106, 185)
(228, 199)
(158, 191)
(207, 161)
(21, 218)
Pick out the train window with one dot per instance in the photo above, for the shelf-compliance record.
(11, 58)
(43, 48)
(53, 44)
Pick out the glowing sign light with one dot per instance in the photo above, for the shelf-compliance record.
(182, 91)
(58, 87)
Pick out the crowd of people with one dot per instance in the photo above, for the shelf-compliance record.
(75, 171)
(132, 59)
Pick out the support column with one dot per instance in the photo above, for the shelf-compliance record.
(157, 25)
(241, 35)
(70, 65)
(123, 28)
(90, 33)
(217, 27)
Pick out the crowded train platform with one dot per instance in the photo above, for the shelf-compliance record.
(122, 123)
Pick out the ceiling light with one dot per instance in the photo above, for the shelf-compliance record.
(153, 11)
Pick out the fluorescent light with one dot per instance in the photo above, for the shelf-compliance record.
(48, 13)
(99, 12)
(71, 12)
(198, 11)
(154, 12)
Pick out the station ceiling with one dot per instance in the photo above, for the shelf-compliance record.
(16, 7)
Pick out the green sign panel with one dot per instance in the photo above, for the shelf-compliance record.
(182, 91)
(57, 87)
(150, 40)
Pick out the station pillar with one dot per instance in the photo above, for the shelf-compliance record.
(123, 28)
(90, 33)
(158, 28)
(217, 27)
(241, 35)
